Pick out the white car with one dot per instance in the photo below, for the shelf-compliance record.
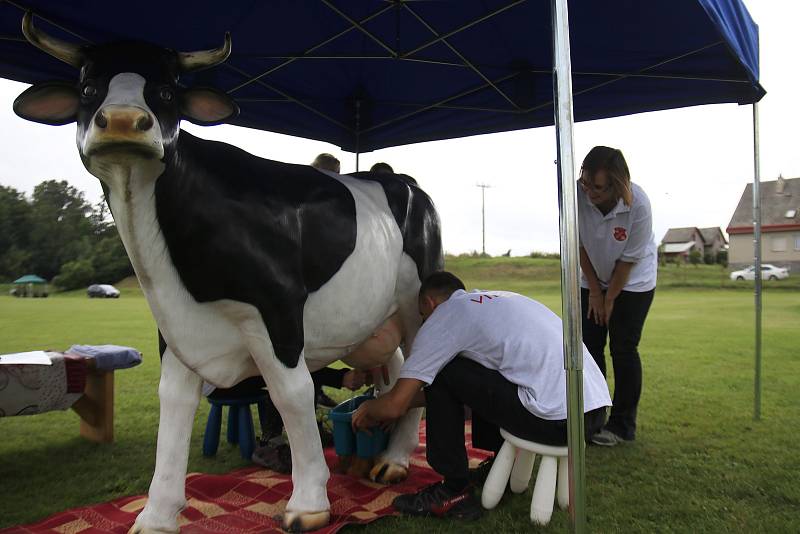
(768, 272)
(102, 291)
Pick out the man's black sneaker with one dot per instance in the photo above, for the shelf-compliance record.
(440, 501)
(477, 475)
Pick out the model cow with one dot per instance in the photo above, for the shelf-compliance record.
(249, 266)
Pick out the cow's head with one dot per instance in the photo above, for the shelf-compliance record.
(127, 101)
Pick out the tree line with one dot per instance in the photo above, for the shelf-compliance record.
(58, 235)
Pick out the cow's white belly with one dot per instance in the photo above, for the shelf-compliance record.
(207, 338)
(358, 298)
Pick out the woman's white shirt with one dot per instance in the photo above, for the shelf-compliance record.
(624, 233)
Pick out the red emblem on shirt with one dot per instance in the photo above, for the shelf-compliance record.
(620, 233)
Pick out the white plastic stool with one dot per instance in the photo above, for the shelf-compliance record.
(515, 462)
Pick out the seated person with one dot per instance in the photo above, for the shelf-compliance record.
(272, 450)
(499, 353)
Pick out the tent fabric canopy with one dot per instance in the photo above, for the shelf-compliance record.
(30, 279)
(373, 74)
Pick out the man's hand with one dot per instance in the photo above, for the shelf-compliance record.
(386, 408)
(362, 418)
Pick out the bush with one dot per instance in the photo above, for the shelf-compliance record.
(546, 255)
(694, 257)
(722, 257)
(75, 274)
(709, 259)
(474, 254)
(109, 261)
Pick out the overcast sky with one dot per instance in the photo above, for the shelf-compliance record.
(693, 163)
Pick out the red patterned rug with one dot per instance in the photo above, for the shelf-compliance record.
(247, 501)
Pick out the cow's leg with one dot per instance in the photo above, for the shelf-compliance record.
(392, 465)
(179, 394)
(292, 391)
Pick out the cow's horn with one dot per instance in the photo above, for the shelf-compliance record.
(204, 59)
(66, 52)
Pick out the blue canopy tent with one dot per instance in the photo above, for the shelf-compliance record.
(365, 75)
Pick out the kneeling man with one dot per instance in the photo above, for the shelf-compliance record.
(497, 352)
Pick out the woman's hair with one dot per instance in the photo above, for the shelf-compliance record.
(611, 160)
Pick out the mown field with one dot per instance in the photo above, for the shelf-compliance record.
(700, 462)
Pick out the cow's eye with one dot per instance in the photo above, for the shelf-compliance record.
(89, 91)
(166, 94)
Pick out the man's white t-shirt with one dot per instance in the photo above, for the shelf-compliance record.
(624, 233)
(509, 333)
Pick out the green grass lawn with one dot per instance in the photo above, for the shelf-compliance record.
(700, 462)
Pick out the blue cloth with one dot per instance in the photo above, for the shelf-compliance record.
(109, 357)
(396, 82)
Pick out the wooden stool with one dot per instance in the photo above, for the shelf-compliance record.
(240, 424)
(514, 464)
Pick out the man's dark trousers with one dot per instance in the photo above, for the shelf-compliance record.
(624, 331)
(495, 402)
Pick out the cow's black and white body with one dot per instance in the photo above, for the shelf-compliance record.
(249, 266)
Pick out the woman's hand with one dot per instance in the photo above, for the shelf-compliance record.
(597, 311)
(608, 308)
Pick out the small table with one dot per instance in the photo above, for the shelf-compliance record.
(96, 406)
(72, 380)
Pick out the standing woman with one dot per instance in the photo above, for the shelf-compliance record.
(618, 264)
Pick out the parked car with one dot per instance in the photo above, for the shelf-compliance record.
(102, 291)
(768, 272)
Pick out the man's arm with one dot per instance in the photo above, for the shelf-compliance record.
(405, 394)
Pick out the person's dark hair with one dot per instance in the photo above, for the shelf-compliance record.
(611, 160)
(441, 284)
(382, 167)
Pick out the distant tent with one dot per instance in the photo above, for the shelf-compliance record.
(30, 285)
(30, 279)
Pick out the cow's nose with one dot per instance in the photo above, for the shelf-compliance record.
(123, 119)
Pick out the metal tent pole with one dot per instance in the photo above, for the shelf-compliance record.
(570, 296)
(757, 260)
(358, 133)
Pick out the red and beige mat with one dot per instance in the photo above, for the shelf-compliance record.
(248, 501)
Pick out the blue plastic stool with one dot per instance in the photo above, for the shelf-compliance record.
(240, 424)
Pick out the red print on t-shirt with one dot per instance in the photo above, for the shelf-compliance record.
(480, 298)
(620, 233)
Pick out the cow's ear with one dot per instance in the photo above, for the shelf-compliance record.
(206, 106)
(53, 103)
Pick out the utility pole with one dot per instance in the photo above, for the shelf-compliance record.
(483, 187)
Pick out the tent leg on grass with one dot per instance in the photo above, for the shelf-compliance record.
(570, 297)
(757, 261)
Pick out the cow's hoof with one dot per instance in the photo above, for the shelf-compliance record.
(305, 521)
(139, 529)
(387, 472)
